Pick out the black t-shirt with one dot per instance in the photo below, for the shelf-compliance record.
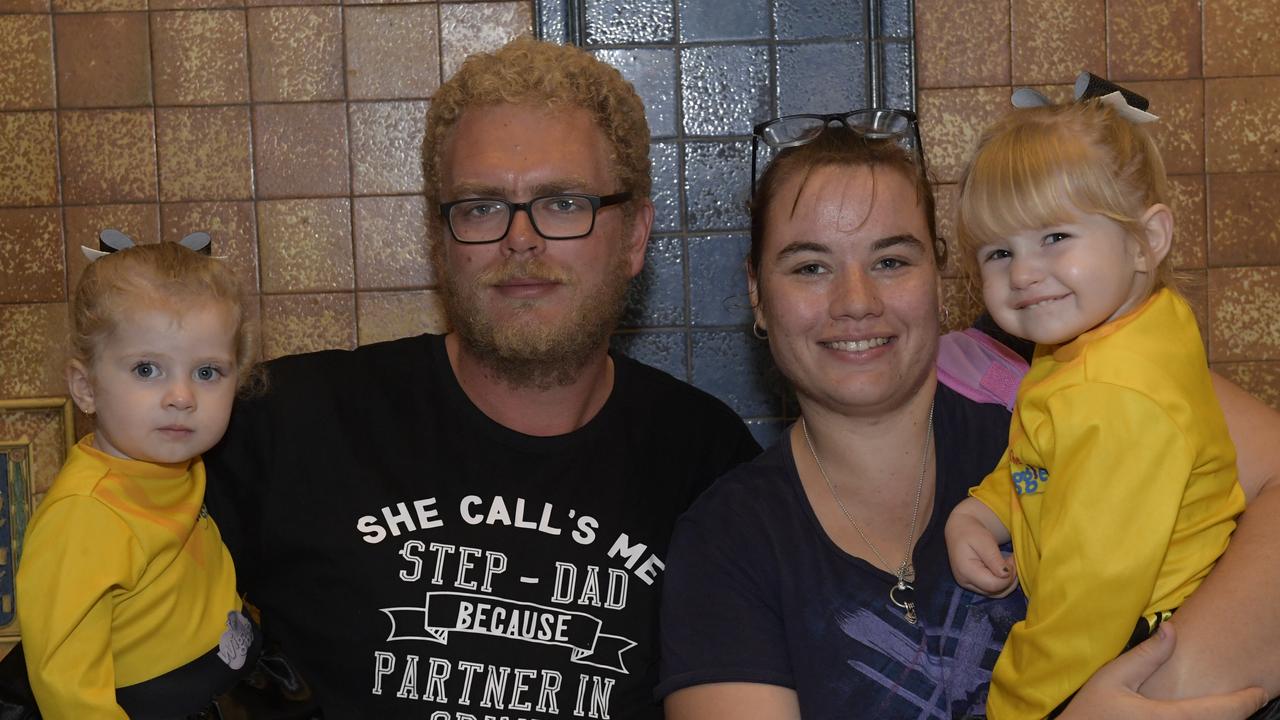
(757, 592)
(417, 559)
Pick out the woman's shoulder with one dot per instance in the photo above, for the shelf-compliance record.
(758, 490)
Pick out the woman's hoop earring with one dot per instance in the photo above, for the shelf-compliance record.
(759, 332)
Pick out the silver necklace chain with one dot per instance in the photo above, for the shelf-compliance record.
(902, 593)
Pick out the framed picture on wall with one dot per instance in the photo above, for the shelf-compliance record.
(35, 436)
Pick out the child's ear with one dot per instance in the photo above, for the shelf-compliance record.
(81, 386)
(1157, 228)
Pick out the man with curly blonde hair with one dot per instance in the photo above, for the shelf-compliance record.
(473, 525)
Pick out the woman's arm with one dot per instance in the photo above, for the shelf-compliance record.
(733, 701)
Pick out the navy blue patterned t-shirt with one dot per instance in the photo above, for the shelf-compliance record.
(757, 592)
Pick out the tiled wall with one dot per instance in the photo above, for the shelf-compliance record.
(1211, 69)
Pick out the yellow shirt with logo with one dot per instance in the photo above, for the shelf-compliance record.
(1119, 490)
(123, 578)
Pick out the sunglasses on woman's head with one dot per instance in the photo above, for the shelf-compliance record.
(870, 123)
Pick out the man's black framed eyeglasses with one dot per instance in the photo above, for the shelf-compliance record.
(564, 216)
(870, 123)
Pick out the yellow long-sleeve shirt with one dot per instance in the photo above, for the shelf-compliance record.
(1119, 491)
(123, 578)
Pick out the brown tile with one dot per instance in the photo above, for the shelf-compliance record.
(963, 301)
(232, 227)
(33, 350)
(946, 198)
(306, 323)
(1240, 37)
(28, 159)
(301, 150)
(1180, 131)
(260, 3)
(962, 43)
(140, 222)
(201, 57)
(204, 153)
(391, 243)
(80, 6)
(24, 6)
(386, 147)
(392, 51)
(195, 4)
(104, 60)
(1194, 286)
(952, 120)
(1053, 40)
(305, 245)
(1187, 200)
(1244, 219)
(1242, 132)
(382, 316)
(31, 263)
(468, 28)
(1244, 304)
(108, 156)
(297, 53)
(1261, 379)
(1153, 39)
(26, 66)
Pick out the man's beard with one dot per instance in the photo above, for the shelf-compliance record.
(524, 350)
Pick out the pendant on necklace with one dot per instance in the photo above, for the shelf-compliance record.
(903, 595)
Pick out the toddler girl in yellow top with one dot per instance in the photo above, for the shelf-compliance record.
(126, 595)
(1118, 488)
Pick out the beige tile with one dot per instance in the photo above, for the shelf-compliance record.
(1244, 306)
(951, 122)
(32, 350)
(232, 227)
(1260, 379)
(383, 316)
(26, 66)
(80, 6)
(1053, 40)
(962, 43)
(31, 256)
(468, 28)
(204, 153)
(300, 150)
(1180, 132)
(963, 301)
(391, 243)
(305, 245)
(386, 147)
(84, 223)
(195, 4)
(1153, 39)
(1187, 200)
(201, 57)
(392, 51)
(946, 199)
(297, 53)
(28, 159)
(1242, 132)
(104, 60)
(108, 156)
(1194, 286)
(24, 6)
(1244, 219)
(306, 323)
(1241, 37)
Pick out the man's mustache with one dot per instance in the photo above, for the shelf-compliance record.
(534, 269)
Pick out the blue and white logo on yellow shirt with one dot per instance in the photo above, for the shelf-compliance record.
(1028, 479)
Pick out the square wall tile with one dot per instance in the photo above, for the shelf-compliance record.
(627, 22)
(382, 316)
(804, 19)
(656, 296)
(666, 351)
(84, 223)
(664, 157)
(393, 51)
(108, 156)
(386, 147)
(962, 298)
(24, 6)
(899, 74)
(306, 323)
(104, 60)
(81, 6)
(1187, 200)
(301, 150)
(653, 73)
(196, 4)
(305, 245)
(1180, 132)
(951, 122)
(1236, 38)
(1260, 379)
(1054, 40)
(945, 206)
(962, 43)
(297, 53)
(1242, 132)
(28, 159)
(472, 27)
(1194, 287)
(1244, 307)
(204, 153)
(26, 67)
(232, 227)
(31, 261)
(1244, 219)
(1153, 39)
(32, 350)
(702, 20)
(897, 19)
(822, 78)
(201, 57)
(725, 89)
(717, 181)
(737, 368)
(391, 243)
(718, 281)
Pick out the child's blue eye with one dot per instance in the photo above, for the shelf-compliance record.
(146, 370)
(997, 254)
(1053, 238)
(208, 372)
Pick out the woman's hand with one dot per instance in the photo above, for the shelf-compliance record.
(1112, 692)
